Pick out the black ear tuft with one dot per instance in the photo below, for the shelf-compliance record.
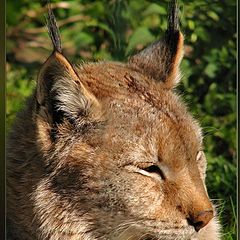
(53, 30)
(173, 18)
(172, 33)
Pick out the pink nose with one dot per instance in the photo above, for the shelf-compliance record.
(201, 219)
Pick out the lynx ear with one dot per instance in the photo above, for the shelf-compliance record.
(161, 60)
(60, 93)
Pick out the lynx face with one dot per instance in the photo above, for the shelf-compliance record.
(110, 152)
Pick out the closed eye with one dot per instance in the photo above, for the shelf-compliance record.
(154, 169)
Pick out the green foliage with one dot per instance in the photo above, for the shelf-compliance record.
(112, 30)
(19, 86)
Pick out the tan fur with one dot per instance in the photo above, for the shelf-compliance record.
(78, 154)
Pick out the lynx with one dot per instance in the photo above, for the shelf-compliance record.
(108, 150)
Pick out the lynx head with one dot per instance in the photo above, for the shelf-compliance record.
(123, 157)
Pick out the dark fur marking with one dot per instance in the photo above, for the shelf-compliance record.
(136, 87)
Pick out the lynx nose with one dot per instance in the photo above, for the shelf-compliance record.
(201, 219)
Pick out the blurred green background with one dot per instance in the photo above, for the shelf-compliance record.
(112, 30)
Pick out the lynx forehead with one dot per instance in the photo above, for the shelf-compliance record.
(108, 151)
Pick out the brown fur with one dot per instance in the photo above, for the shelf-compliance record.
(79, 152)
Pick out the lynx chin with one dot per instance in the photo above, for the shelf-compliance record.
(108, 151)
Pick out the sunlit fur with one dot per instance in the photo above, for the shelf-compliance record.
(79, 187)
(78, 150)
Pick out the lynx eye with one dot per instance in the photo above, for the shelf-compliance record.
(154, 169)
